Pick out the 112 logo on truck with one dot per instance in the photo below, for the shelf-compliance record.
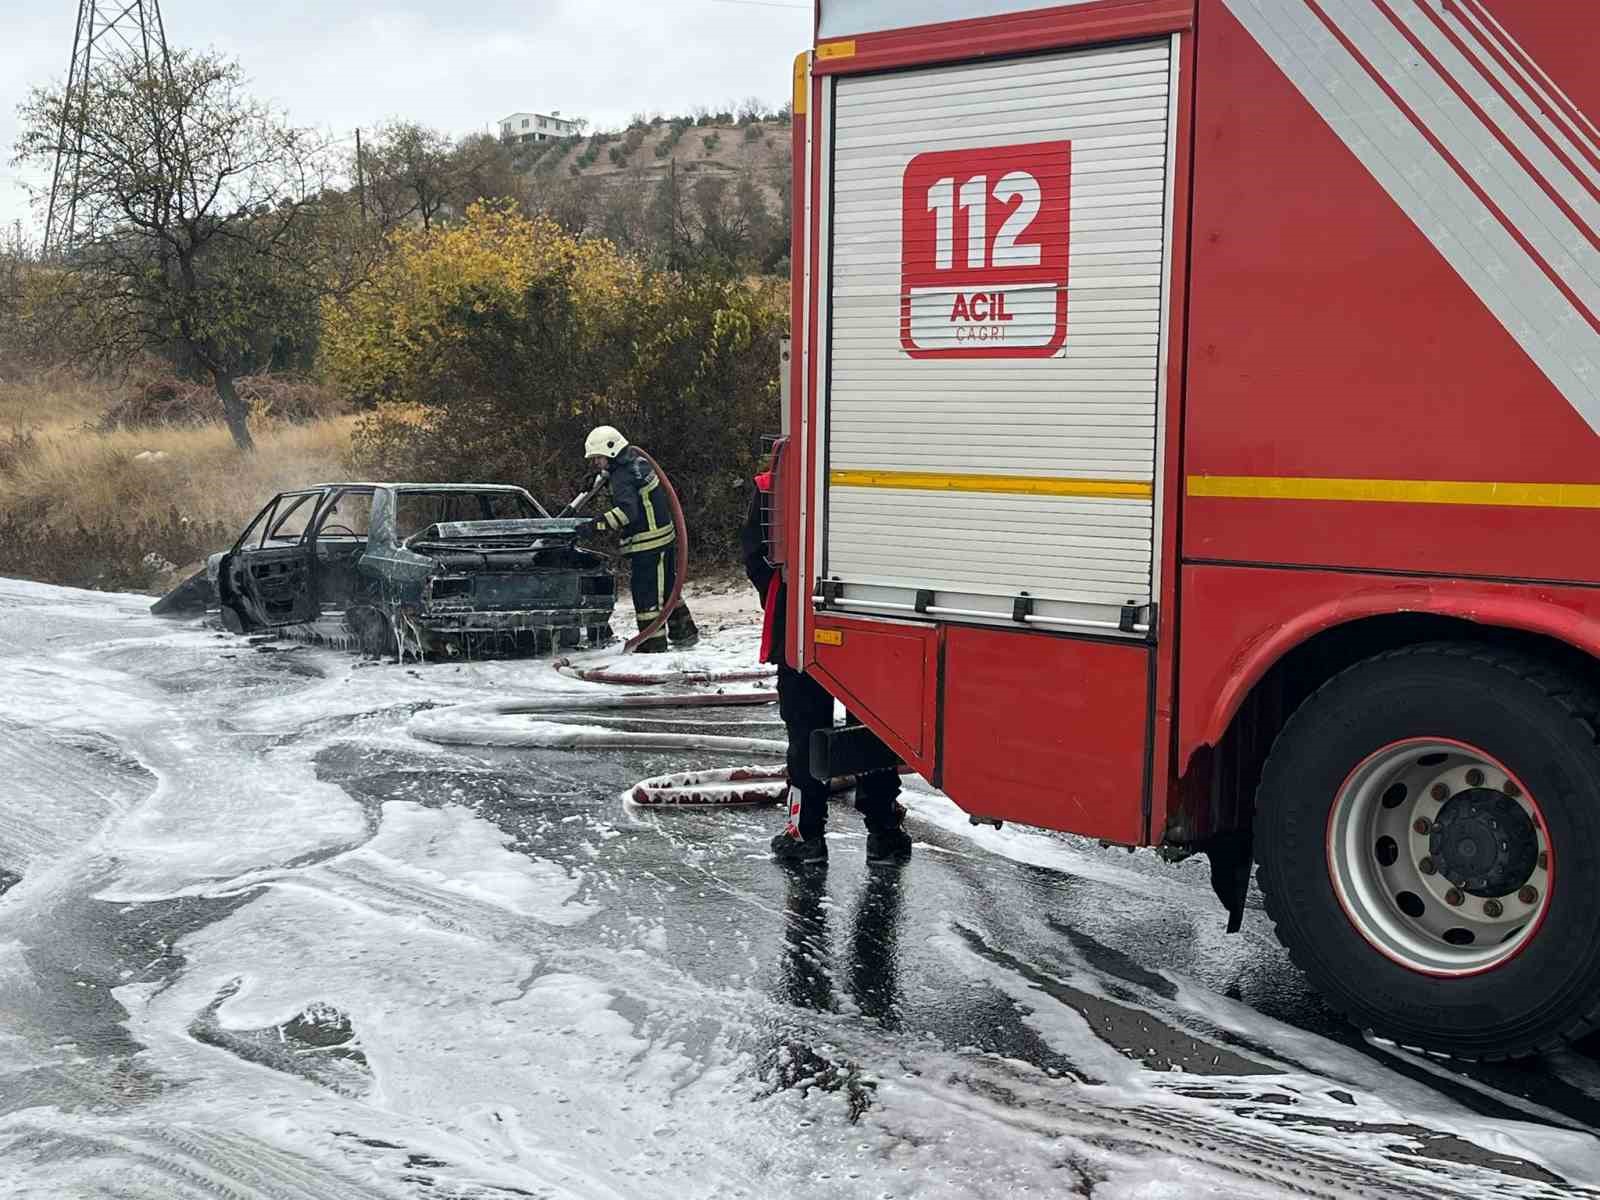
(984, 251)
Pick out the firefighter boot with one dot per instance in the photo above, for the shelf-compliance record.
(792, 850)
(681, 628)
(790, 847)
(656, 643)
(889, 843)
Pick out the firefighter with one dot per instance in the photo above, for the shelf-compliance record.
(641, 515)
(805, 706)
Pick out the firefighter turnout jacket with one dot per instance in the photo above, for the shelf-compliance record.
(764, 577)
(640, 512)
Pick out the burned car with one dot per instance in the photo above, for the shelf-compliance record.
(409, 567)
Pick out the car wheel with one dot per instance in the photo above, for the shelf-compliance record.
(1428, 832)
(372, 630)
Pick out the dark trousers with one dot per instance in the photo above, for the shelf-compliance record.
(805, 706)
(653, 574)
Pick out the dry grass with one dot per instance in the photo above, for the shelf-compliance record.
(55, 401)
(92, 506)
(133, 475)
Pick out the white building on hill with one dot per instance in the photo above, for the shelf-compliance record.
(538, 127)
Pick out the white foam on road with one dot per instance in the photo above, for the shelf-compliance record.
(513, 1039)
(456, 853)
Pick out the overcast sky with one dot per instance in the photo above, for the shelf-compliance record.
(340, 64)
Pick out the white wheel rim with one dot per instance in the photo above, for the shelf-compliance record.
(1408, 819)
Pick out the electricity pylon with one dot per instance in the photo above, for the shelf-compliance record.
(137, 26)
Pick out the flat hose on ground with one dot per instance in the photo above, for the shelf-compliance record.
(682, 525)
(649, 679)
(482, 724)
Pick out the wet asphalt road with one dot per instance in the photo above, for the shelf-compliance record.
(996, 1016)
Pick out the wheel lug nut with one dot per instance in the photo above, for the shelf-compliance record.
(1454, 898)
(1544, 860)
(1439, 792)
(1492, 908)
(1528, 895)
(1422, 825)
(1426, 866)
(1511, 789)
(1474, 778)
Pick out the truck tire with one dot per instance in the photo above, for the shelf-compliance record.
(1428, 834)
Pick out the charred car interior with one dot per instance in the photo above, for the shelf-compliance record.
(456, 569)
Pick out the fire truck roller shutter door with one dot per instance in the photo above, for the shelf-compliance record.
(998, 269)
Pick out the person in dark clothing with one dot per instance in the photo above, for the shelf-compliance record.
(805, 706)
(641, 515)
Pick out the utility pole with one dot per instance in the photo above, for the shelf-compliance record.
(104, 27)
(361, 178)
(672, 217)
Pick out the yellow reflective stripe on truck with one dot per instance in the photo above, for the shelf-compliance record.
(1397, 491)
(802, 82)
(1015, 485)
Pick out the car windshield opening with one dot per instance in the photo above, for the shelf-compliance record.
(415, 511)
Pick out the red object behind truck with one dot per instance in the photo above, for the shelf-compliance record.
(1192, 442)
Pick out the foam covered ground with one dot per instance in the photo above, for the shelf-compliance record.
(257, 940)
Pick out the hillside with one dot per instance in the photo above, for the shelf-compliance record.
(643, 157)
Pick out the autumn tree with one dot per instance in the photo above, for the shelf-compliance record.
(409, 174)
(202, 228)
(715, 222)
(486, 169)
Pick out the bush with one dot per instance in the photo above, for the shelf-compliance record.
(713, 140)
(169, 402)
(496, 345)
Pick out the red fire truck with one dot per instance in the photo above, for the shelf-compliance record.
(1192, 442)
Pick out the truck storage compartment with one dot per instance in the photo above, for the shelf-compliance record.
(1047, 731)
(992, 381)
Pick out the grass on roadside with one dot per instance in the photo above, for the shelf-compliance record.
(132, 475)
(136, 508)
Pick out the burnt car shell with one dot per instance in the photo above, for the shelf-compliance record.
(371, 562)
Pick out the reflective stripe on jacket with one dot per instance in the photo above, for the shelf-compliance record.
(640, 510)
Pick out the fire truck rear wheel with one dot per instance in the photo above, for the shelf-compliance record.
(1428, 833)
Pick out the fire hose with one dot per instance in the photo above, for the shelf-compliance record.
(487, 724)
(492, 724)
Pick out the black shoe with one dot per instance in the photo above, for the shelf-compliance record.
(790, 849)
(656, 645)
(888, 845)
(681, 629)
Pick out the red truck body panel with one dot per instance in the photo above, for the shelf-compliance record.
(1381, 387)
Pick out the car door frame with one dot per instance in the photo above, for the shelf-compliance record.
(259, 577)
(322, 589)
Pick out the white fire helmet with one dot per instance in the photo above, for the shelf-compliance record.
(605, 442)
